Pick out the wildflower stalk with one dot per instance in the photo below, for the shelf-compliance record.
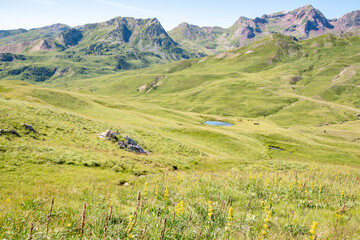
(230, 217)
(156, 192)
(342, 195)
(83, 220)
(142, 232)
(266, 225)
(180, 208)
(107, 219)
(145, 190)
(31, 231)
(131, 225)
(313, 230)
(138, 200)
(210, 210)
(166, 194)
(164, 229)
(49, 216)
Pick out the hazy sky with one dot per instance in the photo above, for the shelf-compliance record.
(36, 13)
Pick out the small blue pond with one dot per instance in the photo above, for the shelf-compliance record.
(217, 123)
(275, 148)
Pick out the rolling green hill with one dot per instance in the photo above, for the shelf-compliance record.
(272, 76)
(302, 94)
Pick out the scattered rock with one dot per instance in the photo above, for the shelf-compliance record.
(109, 135)
(5, 131)
(249, 51)
(136, 148)
(28, 127)
(121, 182)
(130, 141)
(122, 144)
(127, 143)
(14, 132)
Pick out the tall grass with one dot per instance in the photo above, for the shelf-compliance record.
(234, 204)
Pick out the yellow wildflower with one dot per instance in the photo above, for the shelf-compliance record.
(156, 191)
(230, 217)
(146, 189)
(210, 210)
(313, 230)
(166, 194)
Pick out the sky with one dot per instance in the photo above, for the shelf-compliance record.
(38, 13)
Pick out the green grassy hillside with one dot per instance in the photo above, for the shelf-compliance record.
(291, 158)
(270, 78)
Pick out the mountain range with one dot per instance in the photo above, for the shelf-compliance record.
(304, 22)
(124, 43)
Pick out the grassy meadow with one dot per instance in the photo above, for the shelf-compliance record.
(287, 169)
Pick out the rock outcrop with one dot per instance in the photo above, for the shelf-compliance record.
(125, 142)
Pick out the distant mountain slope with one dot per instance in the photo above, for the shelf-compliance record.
(118, 44)
(146, 35)
(7, 33)
(304, 22)
(348, 22)
(21, 35)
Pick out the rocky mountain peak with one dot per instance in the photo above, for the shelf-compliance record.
(153, 21)
(184, 24)
(311, 19)
(349, 20)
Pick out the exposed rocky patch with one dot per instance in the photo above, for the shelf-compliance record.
(44, 45)
(125, 142)
(152, 85)
(18, 47)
